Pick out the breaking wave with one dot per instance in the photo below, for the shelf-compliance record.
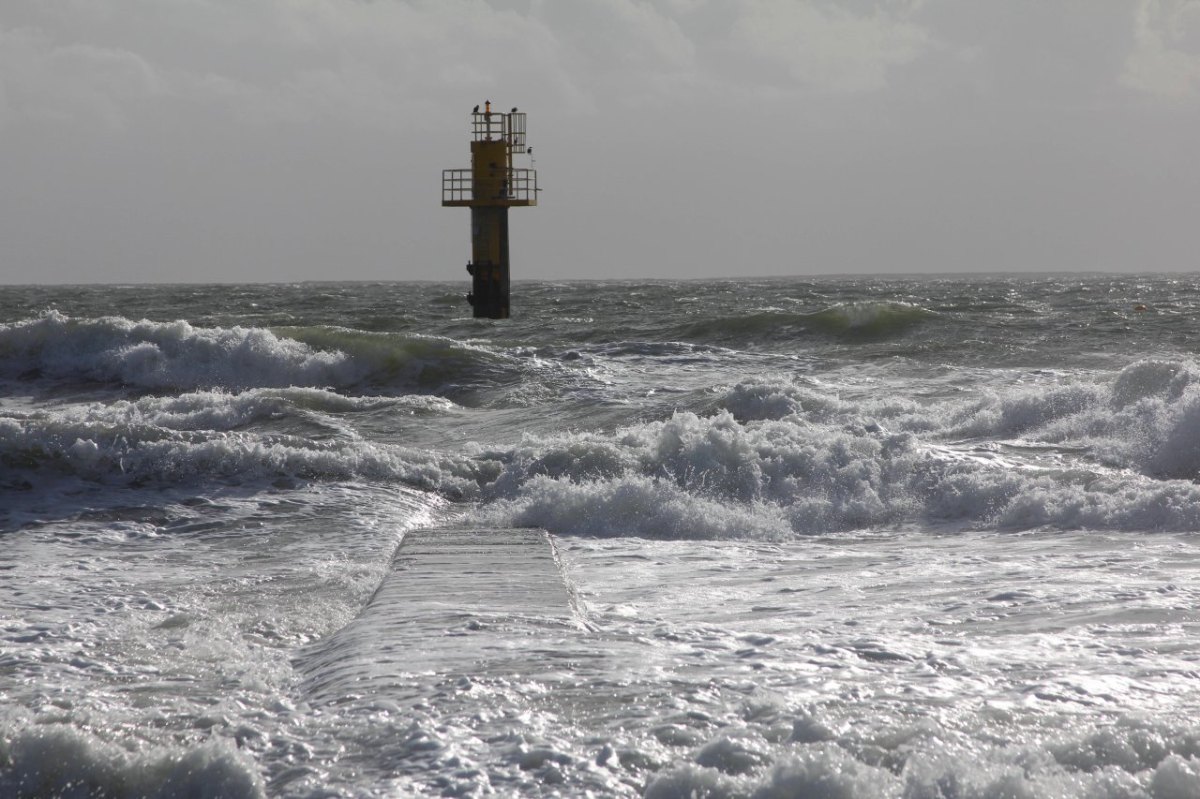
(103, 451)
(715, 477)
(869, 319)
(1146, 418)
(781, 457)
(766, 458)
(163, 356)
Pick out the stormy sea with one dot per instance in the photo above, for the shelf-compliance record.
(903, 538)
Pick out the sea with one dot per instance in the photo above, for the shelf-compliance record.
(928, 537)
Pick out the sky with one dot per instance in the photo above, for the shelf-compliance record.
(288, 140)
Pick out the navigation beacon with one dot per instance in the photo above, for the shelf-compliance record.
(489, 188)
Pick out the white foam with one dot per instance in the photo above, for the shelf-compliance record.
(733, 755)
(822, 770)
(633, 505)
(1176, 778)
(929, 769)
(825, 770)
(693, 476)
(715, 476)
(64, 762)
(694, 782)
(780, 398)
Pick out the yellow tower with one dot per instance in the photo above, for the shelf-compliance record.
(489, 188)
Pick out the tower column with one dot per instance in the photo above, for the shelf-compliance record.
(489, 262)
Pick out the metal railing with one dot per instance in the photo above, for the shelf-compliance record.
(519, 188)
(497, 126)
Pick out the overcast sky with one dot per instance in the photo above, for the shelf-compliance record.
(265, 140)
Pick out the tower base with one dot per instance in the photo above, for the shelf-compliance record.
(489, 290)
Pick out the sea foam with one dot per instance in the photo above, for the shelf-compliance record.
(937, 766)
(63, 762)
(790, 460)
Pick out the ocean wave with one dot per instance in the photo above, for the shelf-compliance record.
(769, 458)
(163, 356)
(853, 320)
(775, 398)
(223, 410)
(166, 355)
(869, 319)
(791, 461)
(101, 448)
(1146, 418)
(414, 361)
(633, 505)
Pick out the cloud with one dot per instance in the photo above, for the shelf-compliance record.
(620, 52)
(392, 63)
(72, 83)
(384, 63)
(1166, 57)
(828, 47)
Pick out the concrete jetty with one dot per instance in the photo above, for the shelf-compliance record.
(468, 601)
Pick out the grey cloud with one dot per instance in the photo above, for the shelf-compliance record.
(1166, 58)
(828, 47)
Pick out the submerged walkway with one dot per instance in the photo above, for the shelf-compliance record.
(465, 601)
